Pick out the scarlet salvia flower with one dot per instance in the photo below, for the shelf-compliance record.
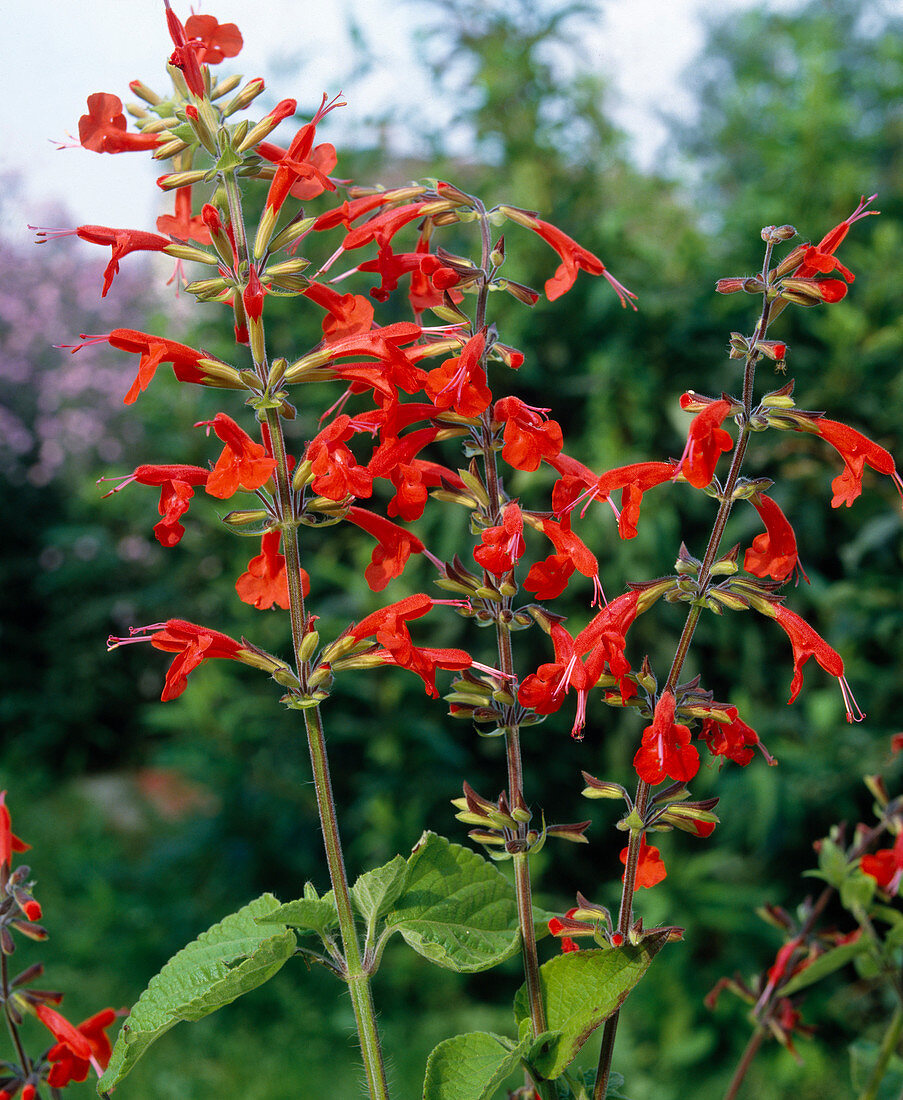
(460, 383)
(176, 490)
(706, 440)
(733, 739)
(78, 1048)
(774, 553)
(348, 314)
(103, 128)
(383, 227)
(184, 56)
(808, 643)
(857, 451)
(298, 166)
(395, 546)
(579, 485)
(336, 470)
(192, 645)
(265, 583)
(820, 258)
(122, 242)
(529, 437)
(650, 868)
(182, 224)
(548, 579)
(666, 748)
(573, 258)
(391, 266)
(500, 547)
(153, 350)
(885, 866)
(9, 842)
(388, 620)
(243, 463)
(395, 459)
(211, 40)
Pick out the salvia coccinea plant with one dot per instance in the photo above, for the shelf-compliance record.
(422, 415)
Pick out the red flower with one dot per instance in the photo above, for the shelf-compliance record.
(733, 739)
(528, 436)
(242, 464)
(184, 56)
(336, 470)
(122, 242)
(153, 350)
(211, 40)
(460, 383)
(395, 459)
(181, 224)
(548, 579)
(706, 440)
(348, 314)
(389, 621)
(650, 869)
(391, 266)
(9, 842)
(176, 490)
(819, 259)
(500, 547)
(299, 164)
(573, 258)
(103, 128)
(857, 452)
(395, 547)
(886, 866)
(77, 1048)
(807, 643)
(666, 748)
(580, 485)
(381, 228)
(193, 645)
(772, 554)
(265, 583)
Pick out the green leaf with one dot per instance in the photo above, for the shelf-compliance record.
(832, 862)
(455, 908)
(471, 1066)
(857, 891)
(824, 965)
(376, 891)
(581, 990)
(229, 959)
(308, 914)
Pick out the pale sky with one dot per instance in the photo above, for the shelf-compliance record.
(57, 52)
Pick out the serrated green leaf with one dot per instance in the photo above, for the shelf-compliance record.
(307, 914)
(824, 965)
(376, 891)
(580, 991)
(229, 959)
(455, 908)
(470, 1066)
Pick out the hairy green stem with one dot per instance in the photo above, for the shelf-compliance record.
(355, 974)
(888, 1046)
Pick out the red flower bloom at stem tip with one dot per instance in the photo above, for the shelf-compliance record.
(857, 452)
(819, 259)
(9, 842)
(242, 464)
(192, 645)
(77, 1048)
(885, 866)
(808, 643)
(103, 128)
(185, 54)
(211, 40)
(773, 553)
(176, 490)
(665, 749)
(573, 258)
(265, 583)
(706, 440)
(122, 242)
(650, 868)
(298, 166)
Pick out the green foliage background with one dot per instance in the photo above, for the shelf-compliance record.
(798, 114)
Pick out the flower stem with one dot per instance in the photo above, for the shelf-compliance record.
(683, 647)
(746, 1060)
(888, 1046)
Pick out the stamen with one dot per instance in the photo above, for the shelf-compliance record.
(855, 713)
